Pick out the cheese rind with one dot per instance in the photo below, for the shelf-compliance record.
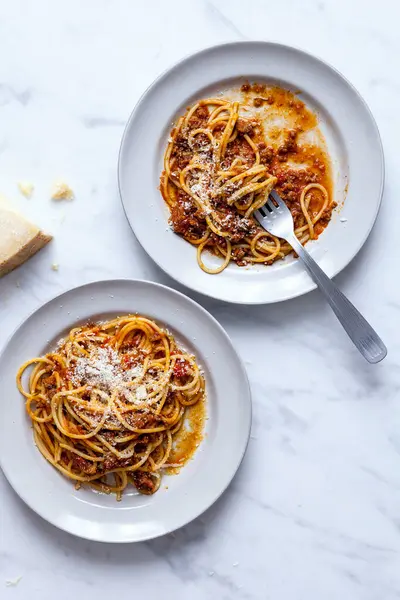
(19, 239)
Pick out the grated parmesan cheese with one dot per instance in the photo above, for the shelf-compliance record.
(141, 392)
(135, 372)
(104, 370)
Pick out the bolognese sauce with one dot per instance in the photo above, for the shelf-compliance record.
(261, 137)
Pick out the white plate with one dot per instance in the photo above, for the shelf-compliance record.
(97, 516)
(353, 143)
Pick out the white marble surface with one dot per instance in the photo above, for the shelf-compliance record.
(314, 512)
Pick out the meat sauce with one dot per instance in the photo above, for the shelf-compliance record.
(189, 437)
(289, 144)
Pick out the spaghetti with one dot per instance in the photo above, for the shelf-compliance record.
(218, 170)
(108, 404)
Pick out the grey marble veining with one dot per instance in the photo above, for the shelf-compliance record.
(314, 512)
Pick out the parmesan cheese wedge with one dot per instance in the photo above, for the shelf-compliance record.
(19, 239)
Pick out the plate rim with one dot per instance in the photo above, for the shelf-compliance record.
(247, 403)
(267, 43)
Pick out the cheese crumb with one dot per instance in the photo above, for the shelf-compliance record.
(26, 188)
(55, 266)
(62, 191)
(135, 371)
(10, 582)
(141, 392)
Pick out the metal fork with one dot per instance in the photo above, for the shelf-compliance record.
(276, 218)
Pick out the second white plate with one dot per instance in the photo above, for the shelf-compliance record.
(182, 497)
(353, 143)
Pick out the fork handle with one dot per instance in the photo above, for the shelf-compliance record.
(366, 340)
